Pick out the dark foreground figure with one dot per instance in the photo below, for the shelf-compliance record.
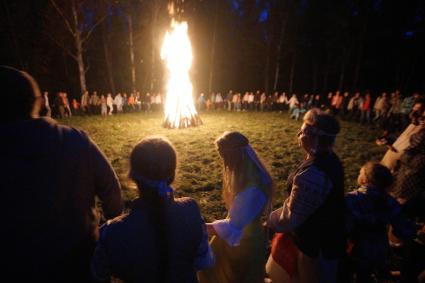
(50, 176)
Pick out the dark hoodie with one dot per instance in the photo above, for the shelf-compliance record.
(50, 175)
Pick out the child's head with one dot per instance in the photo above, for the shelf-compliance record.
(154, 158)
(375, 174)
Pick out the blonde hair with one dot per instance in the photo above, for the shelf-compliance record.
(240, 170)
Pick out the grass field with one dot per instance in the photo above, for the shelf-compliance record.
(272, 135)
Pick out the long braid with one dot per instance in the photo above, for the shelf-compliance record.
(153, 161)
(157, 205)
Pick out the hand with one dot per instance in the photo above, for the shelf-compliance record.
(381, 141)
(210, 230)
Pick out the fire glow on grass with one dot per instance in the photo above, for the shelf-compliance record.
(179, 108)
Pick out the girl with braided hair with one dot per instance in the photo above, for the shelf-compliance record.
(161, 239)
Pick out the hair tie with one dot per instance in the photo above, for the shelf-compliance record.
(160, 186)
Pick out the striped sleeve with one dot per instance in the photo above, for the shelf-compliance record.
(309, 191)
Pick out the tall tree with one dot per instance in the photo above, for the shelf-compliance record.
(79, 18)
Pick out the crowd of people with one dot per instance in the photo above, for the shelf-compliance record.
(387, 110)
(59, 106)
(54, 177)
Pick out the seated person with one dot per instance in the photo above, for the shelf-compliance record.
(370, 211)
(161, 239)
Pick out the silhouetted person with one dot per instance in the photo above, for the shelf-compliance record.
(50, 175)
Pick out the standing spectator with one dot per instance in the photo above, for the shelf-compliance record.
(59, 105)
(212, 98)
(125, 105)
(281, 101)
(310, 102)
(110, 103)
(132, 102)
(147, 102)
(245, 101)
(162, 238)
(51, 176)
(75, 106)
(67, 108)
(328, 101)
(251, 104)
(257, 97)
(382, 107)
(345, 101)
(208, 104)
(237, 101)
(395, 111)
(317, 103)
(218, 101)
(229, 99)
(293, 102)
(118, 102)
(239, 241)
(158, 101)
(263, 100)
(365, 109)
(138, 102)
(274, 99)
(85, 102)
(337, 100)
(103, 106)
(295, 113)
(269, 102)
(46, 105)
(201, 102)
(353, 106)
(314, 211)
(94, 103)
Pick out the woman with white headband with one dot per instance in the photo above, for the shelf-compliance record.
(312, 218)
(239, 241)
(161, 239)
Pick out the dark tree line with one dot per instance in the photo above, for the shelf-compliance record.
(297, 46)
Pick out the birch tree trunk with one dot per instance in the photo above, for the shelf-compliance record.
(155, 11)
(79, 50)
(267, 67)
(279, 48)
(131, 45)
(108, 60)
(212, 55)
(292, 73)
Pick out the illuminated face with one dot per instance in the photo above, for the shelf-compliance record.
(417, 114)
(361, 179)
(306, 137)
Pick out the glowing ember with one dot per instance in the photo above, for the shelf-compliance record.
(179, 108)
